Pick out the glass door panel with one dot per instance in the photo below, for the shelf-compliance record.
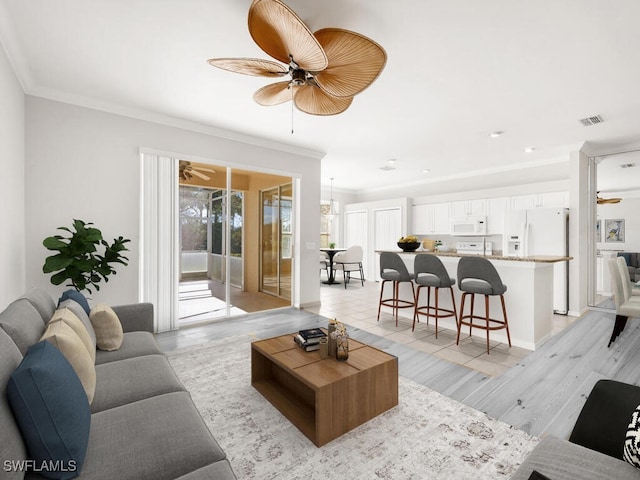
(270, 247)
(277, 241)
(286, 239)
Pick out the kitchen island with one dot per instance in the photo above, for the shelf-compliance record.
(529, 296)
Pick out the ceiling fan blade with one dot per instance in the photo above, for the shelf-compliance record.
(198, 174)
(311, 99)
(273, 94)
(250, 66)
(355, 61)
(601, 201)
(204, 169)
(280, 33)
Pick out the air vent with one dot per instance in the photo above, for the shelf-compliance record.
(386, 168)
(591, 120)
(627, 165)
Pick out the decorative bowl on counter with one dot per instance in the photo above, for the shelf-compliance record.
(409, 246)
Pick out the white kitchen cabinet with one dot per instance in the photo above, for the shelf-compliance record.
(441, 217)
(420, 219)
(430, 219)
(468, 208)
(540, 200)
(496, 208)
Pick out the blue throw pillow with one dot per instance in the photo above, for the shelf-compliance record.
(52, 411)
(76, 297)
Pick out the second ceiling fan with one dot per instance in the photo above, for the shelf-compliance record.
(326, 68)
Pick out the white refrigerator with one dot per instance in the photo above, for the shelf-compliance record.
(541, 231)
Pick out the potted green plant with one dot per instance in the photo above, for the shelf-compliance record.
(78, 259)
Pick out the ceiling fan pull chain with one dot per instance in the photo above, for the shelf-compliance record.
(291, 110)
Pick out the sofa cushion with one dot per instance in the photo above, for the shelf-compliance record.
(133, 379)
(11, 445)
(65, 315)
(562, 460)
(82, 315)
(42, 301)
(134, 344)
(106, 324)
(603, 421)
(159, 438)
(51, 409)
(22, 322)
(76, 296)
(63, 337)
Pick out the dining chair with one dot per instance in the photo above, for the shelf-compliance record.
(349, 261)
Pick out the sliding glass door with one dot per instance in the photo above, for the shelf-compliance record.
(276, 240)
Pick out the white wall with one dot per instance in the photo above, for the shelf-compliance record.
(83, 163)
(12, 184)
(628, 210)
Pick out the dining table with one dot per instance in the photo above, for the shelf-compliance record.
(331, 252)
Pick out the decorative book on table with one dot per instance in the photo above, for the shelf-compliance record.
(309, 340)
(312, 335)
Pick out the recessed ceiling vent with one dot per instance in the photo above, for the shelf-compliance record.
(386, 168)
(627, 165)
(591, 120)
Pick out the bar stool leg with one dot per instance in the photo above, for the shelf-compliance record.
(506, 323)
(486, 312)
(464, 295)
(429, 305)
(436, 312)
(396, 296)
(416, 317)
(453, 302)
(473, 299)
(380, 302)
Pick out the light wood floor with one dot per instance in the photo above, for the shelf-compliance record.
(540, 392)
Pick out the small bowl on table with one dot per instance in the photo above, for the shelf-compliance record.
(409, 246)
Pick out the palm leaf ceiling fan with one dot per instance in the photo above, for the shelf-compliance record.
(603, 201)
(327, 68)
(186, 171)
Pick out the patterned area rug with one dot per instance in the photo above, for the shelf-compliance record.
(427, 436)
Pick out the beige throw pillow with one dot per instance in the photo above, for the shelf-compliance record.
(65, 339)
(107, 326)
(67, 316)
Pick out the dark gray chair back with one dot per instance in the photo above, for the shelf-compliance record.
(393, 268)
(430, 264)
(479, 268)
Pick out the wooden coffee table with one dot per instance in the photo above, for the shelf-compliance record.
(324, 398)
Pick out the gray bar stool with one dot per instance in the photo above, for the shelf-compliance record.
(393, 269)
(478, 275)
(429, 271)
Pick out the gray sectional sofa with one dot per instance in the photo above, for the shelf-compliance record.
(143, 423)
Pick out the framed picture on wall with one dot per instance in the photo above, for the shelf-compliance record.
(614, 231)
(598, 230)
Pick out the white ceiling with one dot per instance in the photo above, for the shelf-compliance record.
(456, 71)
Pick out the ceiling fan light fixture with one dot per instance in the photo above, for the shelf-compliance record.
(298, 77)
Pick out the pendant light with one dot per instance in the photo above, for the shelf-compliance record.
(332, 208)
